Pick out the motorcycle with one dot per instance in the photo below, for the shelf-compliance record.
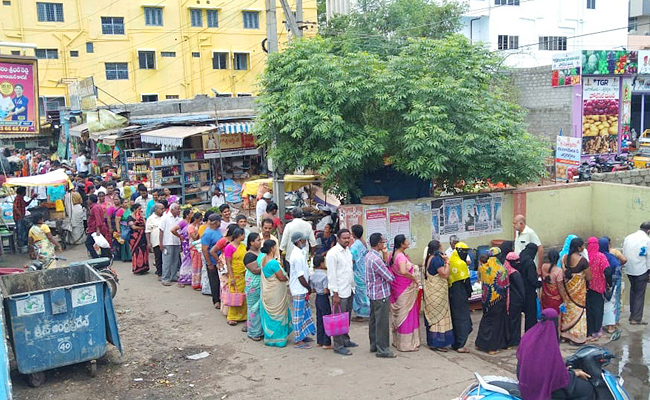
(102, 265)
(582, 173)
(591, 359)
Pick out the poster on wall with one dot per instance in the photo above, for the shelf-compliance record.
(644, 62)
(566, 69)
(469, 214)
(626, 111)
(486, 209)
(601, 108)
(567, 155)
(610, 62)
(18, 96)
(350, 215)
(400, 224)
(376, 219)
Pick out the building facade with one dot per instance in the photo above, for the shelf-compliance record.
(333, 7)
(529, 32)
(146, 50)
(639, 25)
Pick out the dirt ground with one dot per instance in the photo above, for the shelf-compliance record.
(160, 326)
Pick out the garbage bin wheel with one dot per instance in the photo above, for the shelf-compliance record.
(36, 379)
(93, 368)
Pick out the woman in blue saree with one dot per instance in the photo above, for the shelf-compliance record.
(276, 315)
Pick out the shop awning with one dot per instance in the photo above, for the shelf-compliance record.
(109, 132)
(173, 135)
(54, 178)
(291, 183)
(229, 128)
(77, 130)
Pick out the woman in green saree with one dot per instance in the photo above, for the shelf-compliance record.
(276, 315)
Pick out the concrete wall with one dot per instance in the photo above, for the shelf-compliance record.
(618, 210)
(549, 109)
(639, 177)
(584, 209)
(224, 106)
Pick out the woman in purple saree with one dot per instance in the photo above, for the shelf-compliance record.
(404, 308)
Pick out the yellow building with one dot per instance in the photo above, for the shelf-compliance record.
(146, 50)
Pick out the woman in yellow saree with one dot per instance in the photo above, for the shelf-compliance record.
(234, 254)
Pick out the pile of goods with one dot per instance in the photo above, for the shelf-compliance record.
(600, 126)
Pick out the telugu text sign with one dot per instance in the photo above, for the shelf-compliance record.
(18, 96)
(566, 69)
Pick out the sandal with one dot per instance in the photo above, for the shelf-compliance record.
(256, 339)
(327, 347)
(244, 328)
(303, 346)
(439, 349)
(217, 305)
(232, 323)
(462, 350)
(638, 322)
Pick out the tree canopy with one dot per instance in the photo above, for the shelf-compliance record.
(433, 106)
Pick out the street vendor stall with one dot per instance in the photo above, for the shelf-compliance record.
(56, 218)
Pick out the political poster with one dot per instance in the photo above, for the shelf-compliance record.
(376, 219)
(466, 216)
(18, 95)
(400, 224)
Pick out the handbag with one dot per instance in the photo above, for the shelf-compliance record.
(336, 324)
(125, 231)
(100, 240)
(233, 299)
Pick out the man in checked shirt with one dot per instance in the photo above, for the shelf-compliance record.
(378, 279)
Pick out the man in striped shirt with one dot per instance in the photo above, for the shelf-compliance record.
(378, 279)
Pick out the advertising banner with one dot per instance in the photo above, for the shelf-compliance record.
(18, 96)
(644, 62)
(566, 69)
(610, 62)
(567, 155)
(601, 107)
(466, 216)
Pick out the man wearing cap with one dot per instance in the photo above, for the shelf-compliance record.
(303, 324)
(340, 283)
(210, 237)
(260, 208)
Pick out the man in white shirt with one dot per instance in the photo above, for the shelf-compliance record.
(303, 324)
(262, 203)
(218, 198)
(340, 282)
(170, 245)
(143, 199)
(81, 163)
(635, 248)
(453, 241)
(152, 230)
(524, 234)
(297, 225)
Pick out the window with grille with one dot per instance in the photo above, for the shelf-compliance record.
(49, 12)
(506, 2)
(196, 18)
(153, 16)
(47, 54)
(633, 24)
(552, 43)
(196, 54)
(74, 53)
(15, 52)
(6, 2)
(148, 98)
(212, 17)
(167, 54)
(507, 42)
(90, 48)
(251, 20)
(117, 71)
(172, 97)
(591, 4)
(147, 59)
(113, 25)
(219, 60)
(240, 61)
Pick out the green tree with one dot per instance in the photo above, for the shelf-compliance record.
(436, 110)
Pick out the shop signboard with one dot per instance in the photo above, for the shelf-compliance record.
(87, 94)
(18, 95)
(610, 62)
(566, 69)
(567, 155)
(600, 110)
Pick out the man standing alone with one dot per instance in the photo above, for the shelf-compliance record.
(303, 324)
(635, 249)
(378, 279)
(170, 245)
(340, 278)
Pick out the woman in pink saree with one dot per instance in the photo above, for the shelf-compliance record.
(404, 309)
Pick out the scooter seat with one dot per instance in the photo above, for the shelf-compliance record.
(511, 387)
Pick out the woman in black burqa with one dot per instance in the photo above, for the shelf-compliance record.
(531, 283)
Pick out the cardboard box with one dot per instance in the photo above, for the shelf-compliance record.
(192, 166)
